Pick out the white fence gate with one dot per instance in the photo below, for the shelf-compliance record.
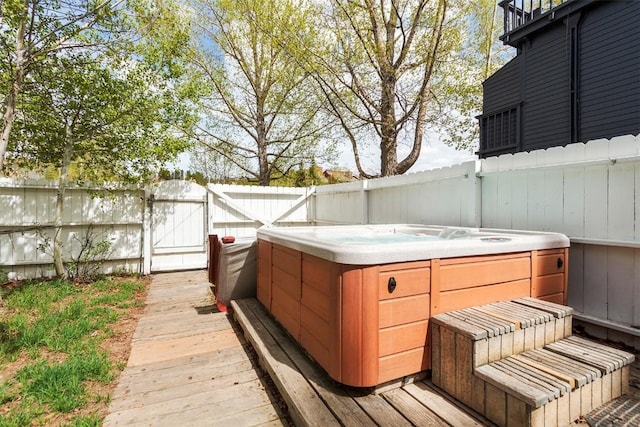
(178, 217)
(239, 210)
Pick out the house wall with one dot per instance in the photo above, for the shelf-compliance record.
(607, 102)
(609, 71)
(496, 95)
(545, 112)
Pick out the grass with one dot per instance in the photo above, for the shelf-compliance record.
(55, 367)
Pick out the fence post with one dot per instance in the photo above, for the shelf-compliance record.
(146, 230)
(474, 209)
(364, 200)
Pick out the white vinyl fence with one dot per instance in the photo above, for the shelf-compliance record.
(161, 228)
(239, 210)
(449, 196)
(27, 215)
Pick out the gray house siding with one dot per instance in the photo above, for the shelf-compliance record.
(496, 95)
(601, 60)
(610, 71)
(546, 101)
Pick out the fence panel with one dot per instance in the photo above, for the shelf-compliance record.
(448, 196)
(27, 224)
(341, 204)
(590, 193)
(240, 210)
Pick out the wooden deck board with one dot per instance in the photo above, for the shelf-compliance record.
(181, 324)
(189, 369)
(410, 408)
(305, 406)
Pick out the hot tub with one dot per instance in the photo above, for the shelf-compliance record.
(359, 298)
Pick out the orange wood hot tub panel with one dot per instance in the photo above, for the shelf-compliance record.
(362, 332)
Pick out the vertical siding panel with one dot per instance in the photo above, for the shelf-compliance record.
(595, 200)
(6, 249)
(553, 200)
(576, 277)
(400, 215)
(621, 203)
(519, 197)
(376, 207)
(489, 201)
(535, 200)
(7, 200)
(432, 201)
(621, 284)
(636, 289)
(455, 188)
(595, 281)
(504, 200)
(574, 195)
(30, 203)
(417, 206)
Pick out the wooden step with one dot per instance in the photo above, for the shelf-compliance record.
(465, 339)
(517, 364)
(553, 387)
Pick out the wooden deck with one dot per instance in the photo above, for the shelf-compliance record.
(189, 365)
(314, 399)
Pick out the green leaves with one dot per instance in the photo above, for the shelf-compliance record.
(102, 78)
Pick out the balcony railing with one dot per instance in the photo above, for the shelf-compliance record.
(519, 12)
(500, 131)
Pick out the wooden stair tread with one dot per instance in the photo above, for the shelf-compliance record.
(493, 326)
(557, 310)
(604, 358)
(495, 319)
(528, 316)
(581, 373)
(460, 326)
(516, 383)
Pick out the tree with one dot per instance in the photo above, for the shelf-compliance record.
(483, 54)
(262, 113)
(387, 76)
(214, 166)
(34, 31)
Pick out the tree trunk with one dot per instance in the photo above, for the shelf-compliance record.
(9, 114)
(388, 131)
(264, 169)
(423, 101)
(62, 186)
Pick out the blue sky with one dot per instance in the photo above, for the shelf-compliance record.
(434, 154)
